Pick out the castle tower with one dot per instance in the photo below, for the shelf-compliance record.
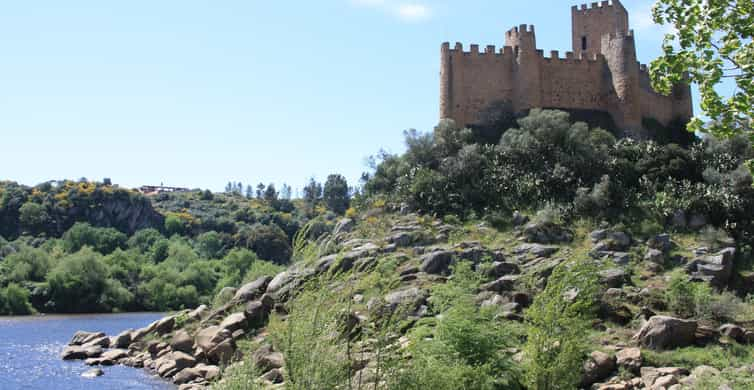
(446, 82)
(590, 24)
(527, 66)
(619, 50)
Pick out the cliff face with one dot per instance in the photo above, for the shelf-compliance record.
(50, 210)
(127, 214)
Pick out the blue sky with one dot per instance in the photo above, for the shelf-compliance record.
(196, 93)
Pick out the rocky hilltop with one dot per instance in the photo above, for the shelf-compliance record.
(355, 305)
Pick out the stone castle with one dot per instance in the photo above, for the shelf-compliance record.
(601, 74)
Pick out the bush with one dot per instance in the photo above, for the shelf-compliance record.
(468, 347)
(559, 320)
(78, 283)
(698, 300)
(269, 242)
(103, 240)
(14, 300)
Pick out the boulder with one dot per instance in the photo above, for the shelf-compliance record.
(198, 313)
(256, 313)
(103, 342)
(500, 268)
(234, 322)
(536, 250)
(253, 290)
(93, 373)
(123, 339)
(182, 341)
(78, 352)
(614, 277)
(437, 262)
(716, 269)
(265, 359)
(630, 359)
(654, 256)
(598, 367)
(663, 332)
(546, 233)
(504, 283)
(663, 377)
(734, 332)
(660, 242)
(81, 337)
(208, 338)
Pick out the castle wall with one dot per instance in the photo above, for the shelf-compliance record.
(595, 21)
(478, 81)
(572, 83)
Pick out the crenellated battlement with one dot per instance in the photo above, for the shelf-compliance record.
(600, 73)
(571, 58)
(475, 50)
(602, 6)
(520, 30)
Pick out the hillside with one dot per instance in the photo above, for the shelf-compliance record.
(556, 257)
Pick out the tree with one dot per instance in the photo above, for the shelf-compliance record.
(336, 195)
(249, 192)
(559, 321)
(712, 42)
(78, 282)
(260, 190)
(312, 192)
(229, 188)
(270, 194)
(33, 217)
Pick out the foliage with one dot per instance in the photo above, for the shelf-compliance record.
(547, 160)
(558, 321)
(698, 300)
(14, 300)
(712, 41)
(103, 240)
(467, 350)
(336, 194)
(78, 283)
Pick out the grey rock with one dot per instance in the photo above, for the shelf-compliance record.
(437, 262)
(537, 250)
(81, 337)
(253, 290)
(519, 219)
(93, 373)
(234, 322)
(630, 359)
(500, 268)
(654, 256)
(182, 341)
(660, 242)
(504, 283)
(598, 367)
(614, 277)
(78, 352)
(123, 339)
(663, 332)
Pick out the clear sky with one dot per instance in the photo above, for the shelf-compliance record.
(196, 93)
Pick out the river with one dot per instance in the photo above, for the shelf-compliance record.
(30, 353)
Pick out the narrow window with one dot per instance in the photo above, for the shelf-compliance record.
(583, 43)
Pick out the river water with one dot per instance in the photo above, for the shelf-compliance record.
(30, 353)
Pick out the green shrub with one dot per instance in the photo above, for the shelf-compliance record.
(78, 282)
(558, 322)
(14, 300)
(466, 349)
(103, 240)
(698, 300)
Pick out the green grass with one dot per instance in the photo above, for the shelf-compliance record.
(718, 356)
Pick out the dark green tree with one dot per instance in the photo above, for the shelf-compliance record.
(336, 194)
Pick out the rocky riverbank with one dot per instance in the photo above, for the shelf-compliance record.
(192, 348)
